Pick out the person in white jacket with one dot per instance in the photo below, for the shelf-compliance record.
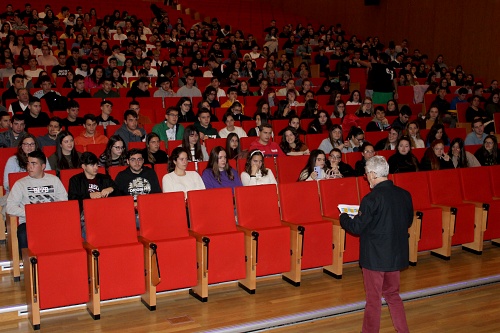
(255, 171)
(178, 179)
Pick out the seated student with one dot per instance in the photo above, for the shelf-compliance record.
(440, 102)
(32, 190)
(256, 172)
(152, 154)
(233, 147)
(291, 144)
(105, 118)
(72, 119)
(460, 98)
(488, 154)
(477, 136)
(403, 160)
(186, 107)
(338, 167)
(334, 140)
(475, 111)
(22, 103)
(79, 90)
(106, 90)
(390, 143)
(228, 119)
(320, 124)
(191, 143)
(4, 119)
(53, 129)
(203, 125)
(54, 99)
(90, 184)
(367, 151)
(435, 158)
(219, 172)
(260, 118)
(34, 117)
(236, 110)
(178, 179)
(295, 123)
(437, 132)
(130, 131)
(404, 115)
(140, 88)
(316, 167)
(460, 157)
(90, 135)
(141, 119)
(379, 121)
(66, 156)
(11, 137)
(169, 129)
(232, 94)
(137, 179)
(265, 144)
(115, 153)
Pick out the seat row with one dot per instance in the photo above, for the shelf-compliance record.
(283, 232)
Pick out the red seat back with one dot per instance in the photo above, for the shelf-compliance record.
(289, 167)
(300, 202)
(5, 154)
(470, 178)
(363, 187)
(337, 191)
(211, 211)
(158, 226)
(267, 215)
(444, 186)
(96, 148)
(416, 184)
(62, 219)
(110, 221)
(115, 170)
(494, 172)
(314, 140)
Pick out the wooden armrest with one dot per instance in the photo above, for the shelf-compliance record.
(333, 220)
(291, 225)
(89, 247)
(196, 235)
(478, 204)
(28, 253)
(449, 209)
(245, 230)
(146, 242)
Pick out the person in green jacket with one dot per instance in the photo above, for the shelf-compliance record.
(169, 129)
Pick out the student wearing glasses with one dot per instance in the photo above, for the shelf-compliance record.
(169, 129)
(115, 153)
(186, 108)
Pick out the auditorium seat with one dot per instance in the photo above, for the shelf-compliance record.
(55, 263)
(476, 188)
(314, 140)
(445, 191)
(428, 222)
(345, 245)
(266, 239)
(115, 256)
(311, 236)
(169, 250)
(5, 154)
(289, 168)
(220, 246)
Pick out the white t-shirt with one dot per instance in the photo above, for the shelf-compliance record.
(246, 180)
(223, 133)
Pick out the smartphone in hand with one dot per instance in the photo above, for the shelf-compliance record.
(319, 172)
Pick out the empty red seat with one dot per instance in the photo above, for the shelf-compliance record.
(476, 187)
(445, 191)
(267, 238)
(312, 236)
(289, 167)
(167, 239)
(55, 263)
(221, 247)
(426, 230)
(345, 245)
(115, 255)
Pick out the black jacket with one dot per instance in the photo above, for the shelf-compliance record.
(79, 187)
(383, 220)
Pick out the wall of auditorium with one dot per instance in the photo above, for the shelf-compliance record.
(465, 32)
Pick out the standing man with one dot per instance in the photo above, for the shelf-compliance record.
(37, 187)
(382, 222)
(385, 85)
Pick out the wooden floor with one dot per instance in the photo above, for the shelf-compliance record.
(472, 310)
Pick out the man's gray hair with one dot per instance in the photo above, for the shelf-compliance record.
(378, 165)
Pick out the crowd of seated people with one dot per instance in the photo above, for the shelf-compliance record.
(72, 56)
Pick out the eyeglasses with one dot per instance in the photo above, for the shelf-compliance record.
(488, 142)
(119, 147)
(29, 144)
(133, 160)
(335, 157)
